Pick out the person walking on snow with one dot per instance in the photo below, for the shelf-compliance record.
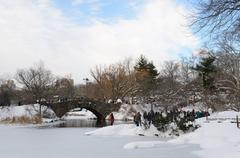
(139, 118)
(111, 118)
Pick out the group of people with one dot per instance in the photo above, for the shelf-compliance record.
(147, 118)
(169, 116)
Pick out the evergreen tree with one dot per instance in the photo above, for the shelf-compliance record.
(206, 69)
(146, 75)
(142, 63)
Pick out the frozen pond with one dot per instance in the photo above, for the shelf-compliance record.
(29, 142)
(86, 123)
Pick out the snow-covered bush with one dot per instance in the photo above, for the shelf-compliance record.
(119, 101)
(174, 122)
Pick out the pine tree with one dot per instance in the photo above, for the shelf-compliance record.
(206, 69)
(146, 75)
(141, 64)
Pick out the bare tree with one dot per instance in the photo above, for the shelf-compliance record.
(37, 81)
(218, 17)
(229, 63)
(168, 85)
(186, 74)
(64, 87)
(116, 80)
(171, 72)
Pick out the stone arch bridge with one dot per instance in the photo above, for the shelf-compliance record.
(100, 109)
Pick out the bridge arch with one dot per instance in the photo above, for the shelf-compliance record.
(100, 109)
(100, 117)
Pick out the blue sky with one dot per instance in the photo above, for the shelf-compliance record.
(108, 10)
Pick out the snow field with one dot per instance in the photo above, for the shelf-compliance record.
(216, 139)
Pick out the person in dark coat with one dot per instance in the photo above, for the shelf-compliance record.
(145, 117)
(137, 119)
(150, 117)
(111, 119)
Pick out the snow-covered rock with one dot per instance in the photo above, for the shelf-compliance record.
(119, 101)
(110, 101)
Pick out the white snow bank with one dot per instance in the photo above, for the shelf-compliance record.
(125, 130)
(225, 116)
(219, 140)
(7, 112)
(216, 139)
(126, 112)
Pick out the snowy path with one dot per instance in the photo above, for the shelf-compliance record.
(24, 142)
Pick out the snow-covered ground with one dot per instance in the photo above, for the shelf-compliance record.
(218, 136)
(220, 140)
(126, 130)
(29, 142)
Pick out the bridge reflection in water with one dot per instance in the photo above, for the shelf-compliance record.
(87, 123)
